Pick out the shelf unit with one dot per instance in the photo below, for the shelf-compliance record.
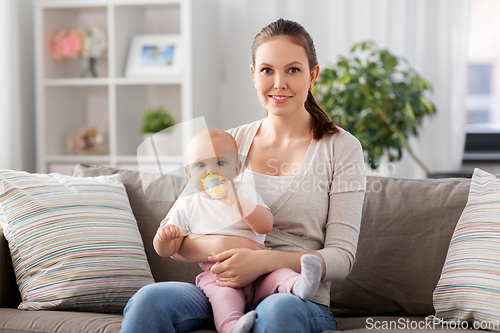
(66, 102)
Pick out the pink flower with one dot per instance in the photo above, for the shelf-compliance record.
(54, 45)
(64, 46)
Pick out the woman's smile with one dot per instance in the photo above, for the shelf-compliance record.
(280, 99)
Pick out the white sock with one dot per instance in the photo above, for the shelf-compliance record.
(310, 275)
(245, 323)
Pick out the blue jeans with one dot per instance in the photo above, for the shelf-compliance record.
(181, 307)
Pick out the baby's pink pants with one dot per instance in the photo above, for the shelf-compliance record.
(229, 304)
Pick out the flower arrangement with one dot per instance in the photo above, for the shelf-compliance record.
(83, 43)
(94, 43)
(66, 46)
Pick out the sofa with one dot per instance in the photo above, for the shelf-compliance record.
(405, 233)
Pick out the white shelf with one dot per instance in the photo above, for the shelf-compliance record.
(148, 81)
(106, 158)
(78, 158)
(66, 103)
(150, 159)
(73, 82)
(102, 81)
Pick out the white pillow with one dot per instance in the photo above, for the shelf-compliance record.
(74, 241)
(469, 286)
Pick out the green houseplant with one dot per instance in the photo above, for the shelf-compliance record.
(157, 126)
(377, 97)
(156, 120)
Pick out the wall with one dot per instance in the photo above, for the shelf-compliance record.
(27, 84)
(239, 22)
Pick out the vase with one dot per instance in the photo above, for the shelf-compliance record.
(166, 144)
(89, 67)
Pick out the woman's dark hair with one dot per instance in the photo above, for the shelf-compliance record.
(298, 35)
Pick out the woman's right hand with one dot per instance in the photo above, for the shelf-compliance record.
(197, 248)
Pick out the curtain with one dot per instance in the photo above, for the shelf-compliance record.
(8, 83)
(17, 115)
(5, 100)
(430, 34)
(433, 36)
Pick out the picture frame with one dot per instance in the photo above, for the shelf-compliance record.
(154, 55)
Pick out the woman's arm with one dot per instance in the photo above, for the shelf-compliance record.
(197, 248)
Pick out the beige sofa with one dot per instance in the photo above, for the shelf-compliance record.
(405, 233)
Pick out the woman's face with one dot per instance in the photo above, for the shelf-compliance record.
(282, 76)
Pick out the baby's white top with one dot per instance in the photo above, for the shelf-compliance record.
(196, 214)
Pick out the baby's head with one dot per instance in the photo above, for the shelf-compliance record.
(212, 151)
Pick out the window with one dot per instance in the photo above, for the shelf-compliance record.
(483, 100)
(480, 98)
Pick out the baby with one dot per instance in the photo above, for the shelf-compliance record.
(231, 208)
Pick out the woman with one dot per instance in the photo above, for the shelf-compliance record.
(307, 170)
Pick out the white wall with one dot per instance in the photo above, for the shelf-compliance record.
(240, 21)
(331, 24)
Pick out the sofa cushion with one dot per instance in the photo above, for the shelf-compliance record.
(19, 321)
(149, 214)
(469, 287)
(405, 231)
(74, 241)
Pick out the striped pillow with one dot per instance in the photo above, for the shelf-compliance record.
(469, 286)
(74, 241)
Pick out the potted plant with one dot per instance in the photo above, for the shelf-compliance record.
(378, 98)
(157, 126)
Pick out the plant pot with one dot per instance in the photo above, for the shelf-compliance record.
(166, 144)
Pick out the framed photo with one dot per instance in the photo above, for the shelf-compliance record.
(154, 55)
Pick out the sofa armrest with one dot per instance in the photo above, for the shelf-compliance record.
(9, 293)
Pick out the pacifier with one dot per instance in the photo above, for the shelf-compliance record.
(213, 186)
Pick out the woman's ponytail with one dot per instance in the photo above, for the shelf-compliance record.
(321, 122)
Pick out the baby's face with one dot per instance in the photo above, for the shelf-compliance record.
(217, 156)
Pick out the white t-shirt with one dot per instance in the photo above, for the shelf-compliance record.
(269, 187)
(199, 215)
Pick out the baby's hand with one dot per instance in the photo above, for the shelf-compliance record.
(168, 232)
(228, 198)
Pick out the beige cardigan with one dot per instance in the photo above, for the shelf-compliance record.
(321, 209)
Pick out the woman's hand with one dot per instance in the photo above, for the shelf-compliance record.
(238, 267)
(197, 248)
